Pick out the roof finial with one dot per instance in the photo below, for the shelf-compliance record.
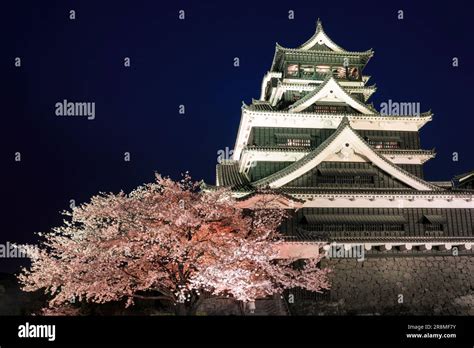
(319, 23)
(344, 122)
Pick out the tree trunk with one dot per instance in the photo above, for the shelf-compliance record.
(242, 306)
(189, 307)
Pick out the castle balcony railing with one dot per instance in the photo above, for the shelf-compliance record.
(321, 77)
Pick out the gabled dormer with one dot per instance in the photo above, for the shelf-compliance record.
(320, 41)
(330, 93)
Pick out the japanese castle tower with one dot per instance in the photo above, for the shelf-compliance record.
(356, 174)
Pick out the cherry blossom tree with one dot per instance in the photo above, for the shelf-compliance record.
(165, 241)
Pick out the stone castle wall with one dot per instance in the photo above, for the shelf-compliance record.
(439, 285)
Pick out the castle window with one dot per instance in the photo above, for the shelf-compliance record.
(339, 72)
(340, 180)
(346, 176)
(373, 227)
(307, 70)
(293, 140)
(365, 179)
(394, 227)
(322, 69)
(434, 223)
(292, 70)
(329, 109)
(298, 142)
(327, 228)
(384, 142)
(434, 228)
(354, 223)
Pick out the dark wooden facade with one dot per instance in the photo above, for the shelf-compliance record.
(454, 223)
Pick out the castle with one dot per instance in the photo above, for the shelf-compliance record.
(357, 173)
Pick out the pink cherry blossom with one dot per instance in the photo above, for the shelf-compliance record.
(169, 241)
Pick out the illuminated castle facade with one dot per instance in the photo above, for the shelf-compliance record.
(358, 173)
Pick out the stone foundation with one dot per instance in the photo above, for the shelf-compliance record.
(430, 285)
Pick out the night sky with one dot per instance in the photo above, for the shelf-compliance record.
(190, 62)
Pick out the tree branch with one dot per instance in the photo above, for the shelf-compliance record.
(166, 298)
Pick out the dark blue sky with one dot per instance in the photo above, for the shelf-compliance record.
(190, 62)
